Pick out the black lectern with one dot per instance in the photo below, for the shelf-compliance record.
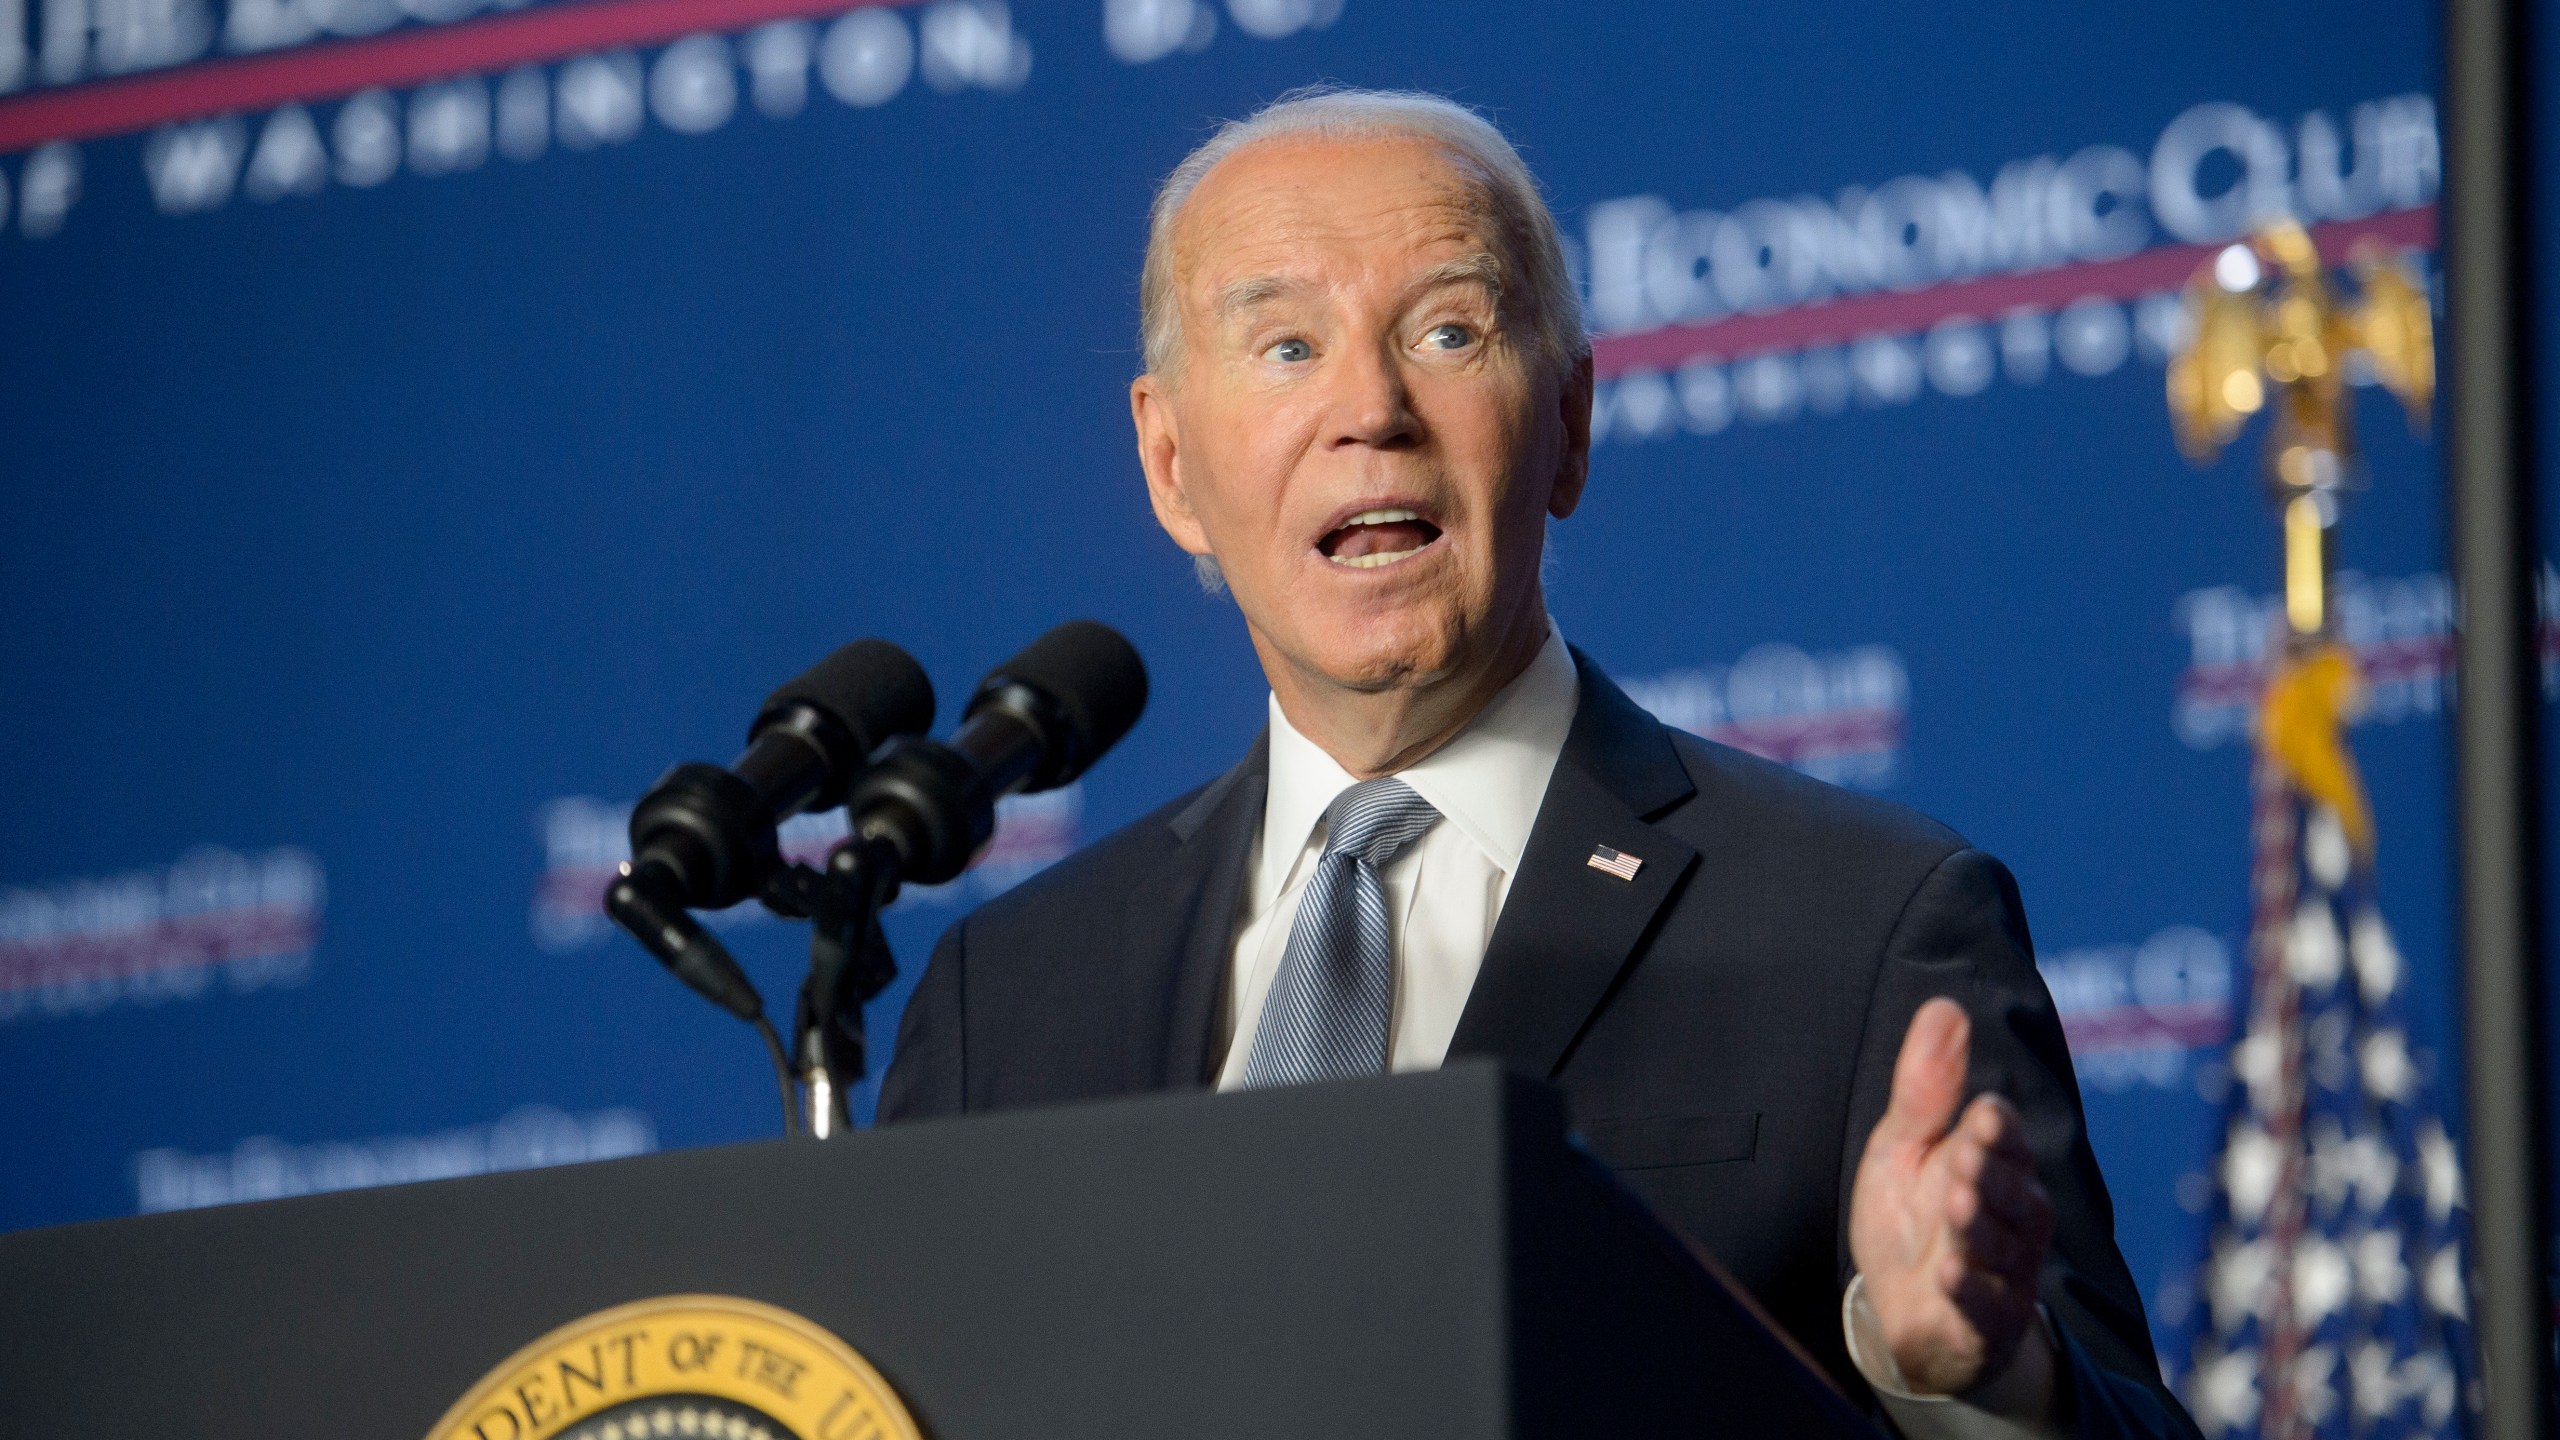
(1409, 1257)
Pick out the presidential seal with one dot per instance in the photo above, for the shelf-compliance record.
(690, 1367)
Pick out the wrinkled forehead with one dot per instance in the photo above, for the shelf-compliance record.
(1298, 204)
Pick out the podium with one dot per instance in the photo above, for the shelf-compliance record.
(1414, 1256)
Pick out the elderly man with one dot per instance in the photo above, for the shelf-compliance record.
(1367, 391)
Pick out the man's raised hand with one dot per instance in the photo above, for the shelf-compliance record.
(1946, 1220)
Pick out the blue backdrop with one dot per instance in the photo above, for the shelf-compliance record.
(398, 480)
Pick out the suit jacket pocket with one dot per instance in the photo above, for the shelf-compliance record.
(1662, 1141)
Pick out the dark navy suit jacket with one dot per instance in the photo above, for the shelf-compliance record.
(1724, 1026)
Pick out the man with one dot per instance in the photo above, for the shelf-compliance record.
(1367, 391)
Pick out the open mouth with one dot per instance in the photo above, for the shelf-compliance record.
(1378, 537)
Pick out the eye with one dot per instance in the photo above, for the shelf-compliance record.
(1290, 352)
(1449, 337)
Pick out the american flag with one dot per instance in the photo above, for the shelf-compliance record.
(2331, 1297)
(1614, 862)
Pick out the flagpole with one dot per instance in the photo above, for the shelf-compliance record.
(2490, 472)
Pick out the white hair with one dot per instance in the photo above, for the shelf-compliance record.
(1535, 279)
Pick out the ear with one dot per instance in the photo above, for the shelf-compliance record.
(1160, 455)
(1573, 460)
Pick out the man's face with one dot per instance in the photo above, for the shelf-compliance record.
(1361, 430)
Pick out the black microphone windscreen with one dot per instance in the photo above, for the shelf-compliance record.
(871, 687)
(1095, 678)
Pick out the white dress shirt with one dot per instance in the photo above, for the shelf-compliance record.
(1444, 894)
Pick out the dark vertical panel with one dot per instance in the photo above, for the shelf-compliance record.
(2491, 450)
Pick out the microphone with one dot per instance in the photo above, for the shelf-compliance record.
(705, 837)
(1036, 722)
(924, 808)
(712, 830)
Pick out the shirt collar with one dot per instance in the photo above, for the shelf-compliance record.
(1487, 783)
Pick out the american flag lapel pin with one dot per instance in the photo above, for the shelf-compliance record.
(1614, 862)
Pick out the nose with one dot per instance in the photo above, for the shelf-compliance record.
(1371, 404)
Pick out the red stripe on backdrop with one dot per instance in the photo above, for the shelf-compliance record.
(331, 69)
(1902, 312)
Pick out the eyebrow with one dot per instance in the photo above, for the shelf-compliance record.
(1246, 294)
(1480, 269)
(1477, 269)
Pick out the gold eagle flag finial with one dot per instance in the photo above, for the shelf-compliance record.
(2267, 330)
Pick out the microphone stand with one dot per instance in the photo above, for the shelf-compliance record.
(849, 964)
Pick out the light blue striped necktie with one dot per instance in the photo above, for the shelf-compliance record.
(1326, 1015)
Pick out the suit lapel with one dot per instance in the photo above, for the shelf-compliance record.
(1568, 929)
(1181, 919)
